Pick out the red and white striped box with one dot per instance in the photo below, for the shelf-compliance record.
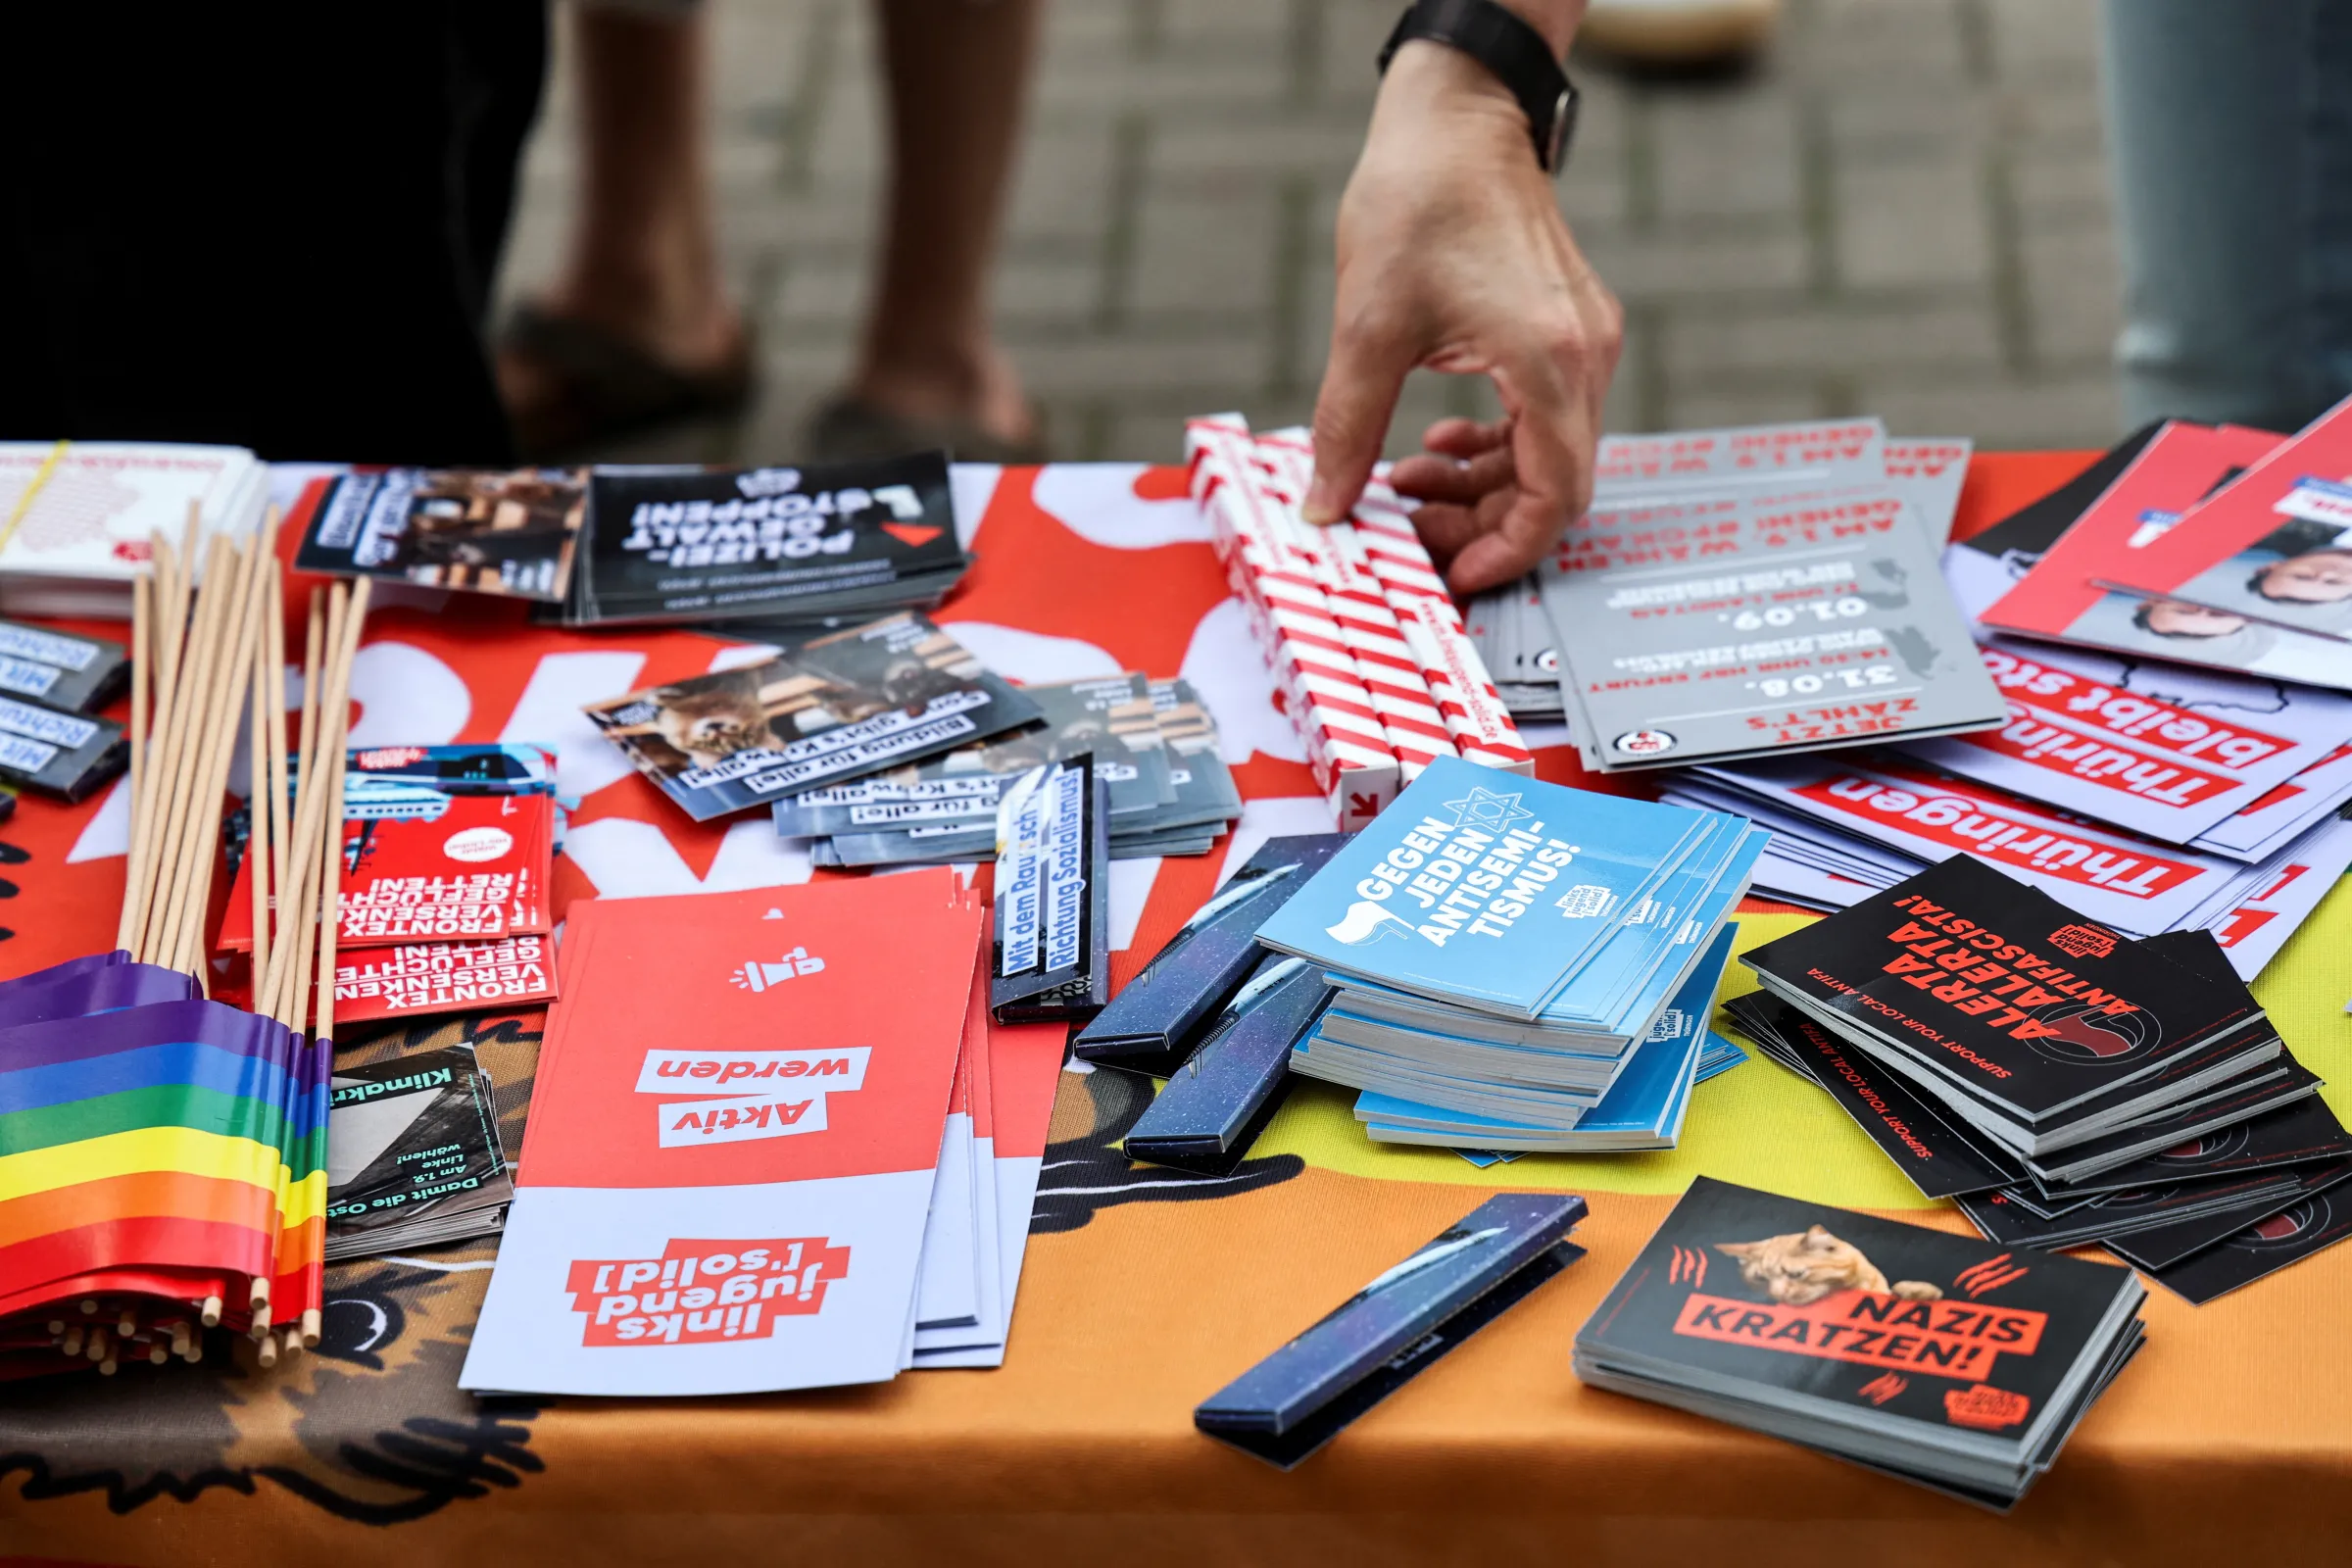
(1416, 731)
(1346, 745)
(1481, 726)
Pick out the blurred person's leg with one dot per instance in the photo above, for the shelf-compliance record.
(269, 227)
(637, 328)
(2230, 130)
(929, 368)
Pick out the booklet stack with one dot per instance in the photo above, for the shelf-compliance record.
(2064, 1084)
(1945, 1361)
(1504, 951)
(821, 709)
(1358, 627)
(759, 549)
(80, 515)
(448, 880)
(1153, 742)
(1815, 541)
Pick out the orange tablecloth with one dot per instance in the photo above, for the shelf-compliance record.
(2231, 1438)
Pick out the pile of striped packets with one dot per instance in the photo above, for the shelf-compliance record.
(1357, 624)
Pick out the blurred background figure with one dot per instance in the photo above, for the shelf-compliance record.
(2232, 132)
(268, 226)
(637, 330)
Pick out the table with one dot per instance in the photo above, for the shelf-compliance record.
(2231, 1435)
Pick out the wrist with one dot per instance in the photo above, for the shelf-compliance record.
(1431, 87)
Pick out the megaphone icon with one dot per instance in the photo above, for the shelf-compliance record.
(758, 976)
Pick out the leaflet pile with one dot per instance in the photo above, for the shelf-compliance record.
(1505, 952)
(2062, 1083)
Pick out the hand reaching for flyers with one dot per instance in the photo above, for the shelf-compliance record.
(1452, 255)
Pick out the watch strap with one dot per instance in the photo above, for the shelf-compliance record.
(1512, 50)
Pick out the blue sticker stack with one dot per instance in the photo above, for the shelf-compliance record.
(1519, 966)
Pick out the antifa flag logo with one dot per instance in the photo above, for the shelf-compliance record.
(2205, 1151)
(2085, 1035)
(2286, 1228)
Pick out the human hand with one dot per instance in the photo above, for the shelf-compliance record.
(1452, 255)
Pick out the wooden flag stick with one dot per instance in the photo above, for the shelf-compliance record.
(142, 596)
(225, 701)
(180, 740)
(288, 862)
(340, 722)
(258, 815)
(273, 630)
(309, 810)
(167, 627)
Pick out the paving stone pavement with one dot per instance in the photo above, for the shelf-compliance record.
(1903, 210)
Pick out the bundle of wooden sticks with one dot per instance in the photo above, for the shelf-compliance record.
(207, 653)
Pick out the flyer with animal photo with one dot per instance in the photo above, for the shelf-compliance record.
(478, 530)
(1923, 1350)
(829, 709)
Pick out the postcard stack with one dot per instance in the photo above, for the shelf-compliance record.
(1767, 588)
(414, 1157)
(448, 872)
(1153, 742)
(509, 532)
(1503, 951)
(804, 1158)
(81, 515)
(1942, 1361)
(2062, 1082)
(768, 548)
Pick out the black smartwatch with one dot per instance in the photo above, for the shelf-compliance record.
(1515, 52)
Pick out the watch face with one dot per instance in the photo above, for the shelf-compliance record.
(1563, 126)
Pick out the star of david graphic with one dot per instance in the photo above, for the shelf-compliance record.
(1484, 809)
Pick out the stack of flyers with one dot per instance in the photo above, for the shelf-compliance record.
(509, 532)
(59, 670)
(2131, 1094)
(2272, 547)
(1508, 953)
(1511, 626)
(1152, 743)
(826, 708)
(448, 872)
(2085, 585)
(1354, 621)
(414, 1157)
(1942, 1361)
(83, 516)
(1848, 826)
(777, 1185)
(2024, 1020)
(777, 545)
(1719, 623)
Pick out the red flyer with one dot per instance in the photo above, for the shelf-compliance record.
(435, 977)
(2274, 547)
(2184, 464)
(432, 867)
(733, 1140)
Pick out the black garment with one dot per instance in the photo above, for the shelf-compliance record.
(270, 225)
